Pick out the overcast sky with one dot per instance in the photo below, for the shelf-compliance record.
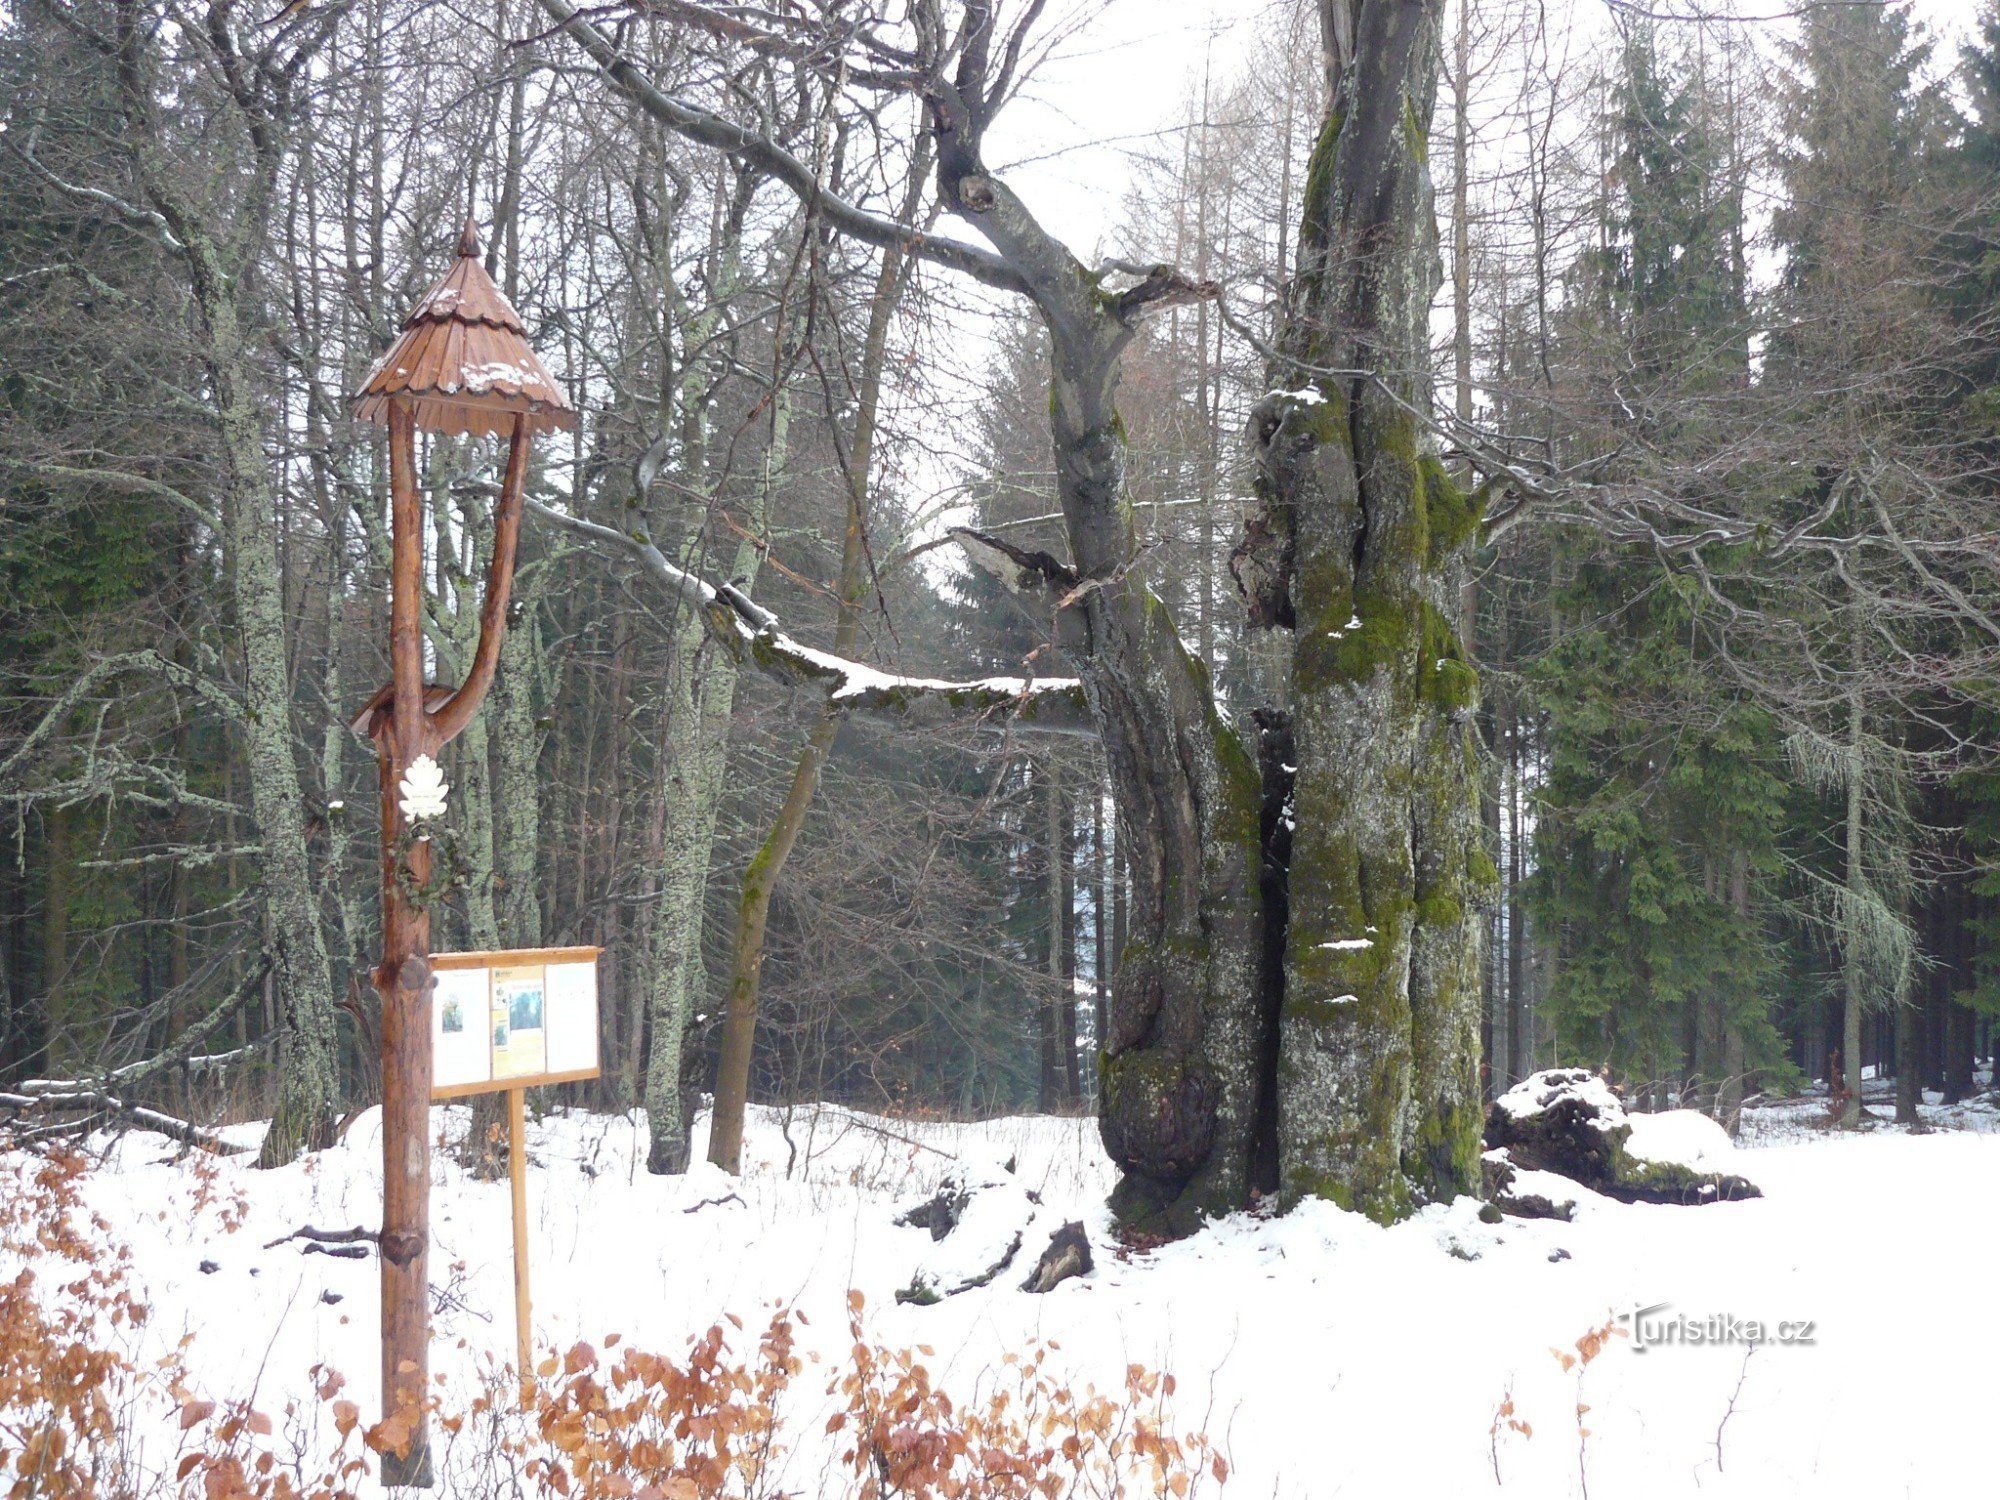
(1121, 77)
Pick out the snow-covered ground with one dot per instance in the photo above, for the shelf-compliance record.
(1327, 1356)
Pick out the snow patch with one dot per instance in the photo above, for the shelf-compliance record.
(1538, 1091)
(1305, 1333)
(1681, 1135)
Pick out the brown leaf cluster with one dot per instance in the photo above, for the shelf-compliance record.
(616, 1423)
(1029, 1434)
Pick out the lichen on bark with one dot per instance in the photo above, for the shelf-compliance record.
(1376, 1079)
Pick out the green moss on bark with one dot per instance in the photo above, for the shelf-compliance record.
(1414, 132)
(1445, 679)
(1453, 513)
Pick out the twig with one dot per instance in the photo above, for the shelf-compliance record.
(713, 1203)
(860, 1124)
(1741, 1376)
(319, 1239)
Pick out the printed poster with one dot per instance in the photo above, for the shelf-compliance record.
(460, 1049)
(571, 997)
(520, 1034)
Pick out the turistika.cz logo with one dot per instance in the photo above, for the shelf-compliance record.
(1655, 1327)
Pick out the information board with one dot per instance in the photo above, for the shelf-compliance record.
(512, 1020)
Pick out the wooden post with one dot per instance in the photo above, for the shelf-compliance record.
(517, 1174)
(461, 364)
(404, 981)
(417, 721)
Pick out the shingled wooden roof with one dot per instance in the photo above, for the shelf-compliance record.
(464, 355)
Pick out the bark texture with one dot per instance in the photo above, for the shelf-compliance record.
(1363, 542)
(701, 692)
(309, 1078)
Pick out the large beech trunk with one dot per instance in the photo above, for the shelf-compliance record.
(1352, 1069)
(1182, 1061)
(1367, 543)
(1296, 1001)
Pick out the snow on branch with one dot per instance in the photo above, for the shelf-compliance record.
(1019, 570)
(1054, 705)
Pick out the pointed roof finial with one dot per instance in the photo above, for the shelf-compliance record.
(463, 357)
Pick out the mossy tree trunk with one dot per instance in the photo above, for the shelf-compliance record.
(760, 878)
(1363, 544)
(309, 1074)
(701, 695)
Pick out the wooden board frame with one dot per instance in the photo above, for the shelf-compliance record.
(514, 958)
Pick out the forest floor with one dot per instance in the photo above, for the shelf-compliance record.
(1325, 1355)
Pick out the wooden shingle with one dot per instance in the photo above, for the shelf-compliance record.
(464, 356)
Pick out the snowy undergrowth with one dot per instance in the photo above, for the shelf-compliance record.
(1807, 1118)
(1326, 1356)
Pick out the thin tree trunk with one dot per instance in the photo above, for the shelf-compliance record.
(309, 1081)
(1066, 881)
(1519, 1044)
(698, 698)
(1461, 217)
(1048, 1026)
(702, 690)
(746, 958)
(1101, 936)
(1854, 998)
(58, 1020)
(1058, 1015)
(1731, 1085)
(1908, 1042)
(701, 697)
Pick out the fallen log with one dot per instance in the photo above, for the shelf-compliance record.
(1572, 1123)
(976, 1220)
(58, 1095)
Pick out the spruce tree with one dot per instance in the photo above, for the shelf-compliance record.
(1855, 360)
(1655, 824)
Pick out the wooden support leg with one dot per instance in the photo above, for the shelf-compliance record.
(517, 1173)
(404, 981)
